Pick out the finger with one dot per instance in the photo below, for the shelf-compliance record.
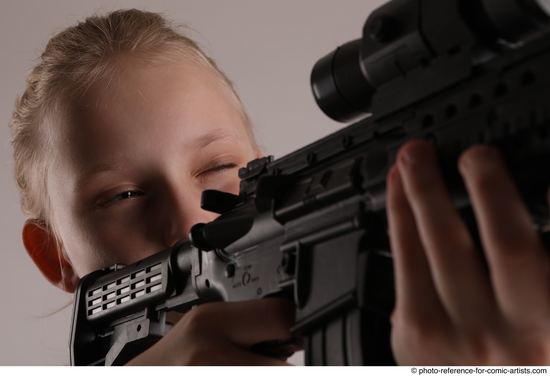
(245, 323)
(206, 350)
(279, 349)
(517, 259)
(456, 266)
(227, 354)
(416, 297)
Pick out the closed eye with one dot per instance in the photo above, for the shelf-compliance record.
(219, 168)
(217, 175)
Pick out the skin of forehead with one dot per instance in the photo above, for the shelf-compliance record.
(138, 81)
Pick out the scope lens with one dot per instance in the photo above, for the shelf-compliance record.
(339, 86)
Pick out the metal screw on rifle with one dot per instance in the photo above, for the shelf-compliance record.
(230, 270)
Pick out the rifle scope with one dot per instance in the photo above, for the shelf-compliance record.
(394, 44)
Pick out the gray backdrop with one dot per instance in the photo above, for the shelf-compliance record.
(266, 48)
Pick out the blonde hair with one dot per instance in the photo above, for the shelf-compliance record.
(74, 60)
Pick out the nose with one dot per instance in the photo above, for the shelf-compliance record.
(182, 211)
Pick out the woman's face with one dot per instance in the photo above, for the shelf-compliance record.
(139, 151)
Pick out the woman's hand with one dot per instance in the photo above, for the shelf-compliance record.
(222, 334)
(449, 309)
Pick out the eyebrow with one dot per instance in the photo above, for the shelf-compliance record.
(211, 137)
(200, 143)
(96, 169)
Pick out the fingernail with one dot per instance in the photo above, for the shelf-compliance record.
(479, 155)
(415, 152)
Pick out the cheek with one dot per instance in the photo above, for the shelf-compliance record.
(95, 240)
(102, 245)
(71, 230)
(123, 236)
(81, 246)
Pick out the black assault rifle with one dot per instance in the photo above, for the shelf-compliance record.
(311, 226)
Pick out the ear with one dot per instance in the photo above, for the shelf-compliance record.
(48, 256)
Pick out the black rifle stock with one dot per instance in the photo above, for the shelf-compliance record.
(311, 226)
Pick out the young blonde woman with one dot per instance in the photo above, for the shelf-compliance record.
(124, 122)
